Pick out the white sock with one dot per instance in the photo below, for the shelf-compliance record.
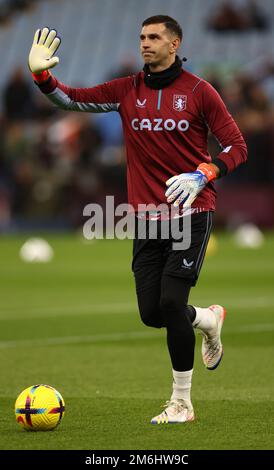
(205, 319)
(182, 385)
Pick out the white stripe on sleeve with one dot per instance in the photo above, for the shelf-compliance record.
(63, 101)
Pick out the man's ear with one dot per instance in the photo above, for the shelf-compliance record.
(175, 44)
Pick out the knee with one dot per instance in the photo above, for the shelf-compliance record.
(172, 309)
(148, 303)
(151, 318)
(171, 303)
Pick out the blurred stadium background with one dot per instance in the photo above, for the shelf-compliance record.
(78, 313)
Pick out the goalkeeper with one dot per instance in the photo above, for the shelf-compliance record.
(166, 113)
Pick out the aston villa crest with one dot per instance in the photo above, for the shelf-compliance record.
(179, 102)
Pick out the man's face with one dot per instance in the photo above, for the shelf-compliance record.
(157, 44)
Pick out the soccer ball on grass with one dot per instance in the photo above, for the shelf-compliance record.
(39, 408)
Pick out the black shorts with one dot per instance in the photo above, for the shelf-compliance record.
(153, 258)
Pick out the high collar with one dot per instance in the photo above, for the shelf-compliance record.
(159, 80)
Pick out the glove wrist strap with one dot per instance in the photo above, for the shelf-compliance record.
(41, 77)
(208, 170)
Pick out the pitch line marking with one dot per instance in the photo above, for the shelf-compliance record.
(119, 308)
(116, 337)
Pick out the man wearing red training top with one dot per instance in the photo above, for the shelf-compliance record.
(166, 112)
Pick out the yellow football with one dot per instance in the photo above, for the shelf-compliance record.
(39, 408)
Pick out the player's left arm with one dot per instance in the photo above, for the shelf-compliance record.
(224, 128)
(185, 187)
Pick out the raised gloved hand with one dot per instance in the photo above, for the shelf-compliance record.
(184, 188)
(45, 44)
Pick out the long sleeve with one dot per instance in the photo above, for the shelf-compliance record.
(224, 128)
(98, 99)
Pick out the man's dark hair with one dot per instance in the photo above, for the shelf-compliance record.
(170, 24)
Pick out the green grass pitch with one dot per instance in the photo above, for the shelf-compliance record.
(73, 323)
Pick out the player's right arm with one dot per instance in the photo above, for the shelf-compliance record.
(99, 99)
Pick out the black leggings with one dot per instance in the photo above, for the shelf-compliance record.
(165, 304)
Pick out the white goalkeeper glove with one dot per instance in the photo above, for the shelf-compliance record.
(184, 188)
(45, 44)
